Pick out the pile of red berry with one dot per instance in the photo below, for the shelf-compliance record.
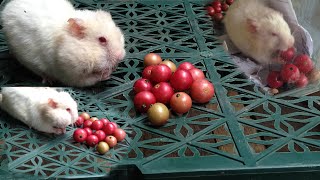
(217, 7)
(163, 85)
(93, 131)
(295, 70)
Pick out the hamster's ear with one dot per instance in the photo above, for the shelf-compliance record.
(252, 25)
(52, 103)
(76, 27)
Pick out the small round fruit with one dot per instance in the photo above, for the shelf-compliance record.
(158, 114)
(218, 17)
(100, 134)
(142, 84)
(88, 130)
(216, 3)
(304, 63)
(115, 124)
(109, 128)
(224, 7)
(210, 10)
(163, 92)
(79, 121)
(146, 73)
(274, 80)
(160, 73)
(197, 74)
(96, 125)
(119, 134)
(202, 91)
(104, 121)
(85, 115)
(229, 1)
(186, 66)
(217, 9)
(290, 73)
(93, 119)
(180, 102)
(87, 123)
(143, 100)
(170, 64)
(111, 140)
(152, 59)
(80, 135)
(103, 147)
(288, 54)
(302, 81)
(181, 80)
(92, 140)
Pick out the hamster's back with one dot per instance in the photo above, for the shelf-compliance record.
(20, 102)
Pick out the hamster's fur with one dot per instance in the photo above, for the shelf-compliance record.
(257, 30)
(41, 108)
(59, 43)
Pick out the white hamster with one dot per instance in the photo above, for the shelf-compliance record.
(257, 30)
(42, 108)
(59, 43)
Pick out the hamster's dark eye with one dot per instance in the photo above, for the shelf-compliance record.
(102, 40)
(68, 109)
(274, 34)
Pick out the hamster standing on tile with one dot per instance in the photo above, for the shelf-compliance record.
(59, 43)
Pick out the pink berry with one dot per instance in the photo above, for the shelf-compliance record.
(274, 79)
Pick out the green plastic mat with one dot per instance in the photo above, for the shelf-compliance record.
(242, 131)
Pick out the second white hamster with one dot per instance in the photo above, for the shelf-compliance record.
(59, 43)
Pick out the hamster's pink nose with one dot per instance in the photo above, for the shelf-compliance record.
(120, 55)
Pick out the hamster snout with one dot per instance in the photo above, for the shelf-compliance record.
(120, 54)
(287, 43)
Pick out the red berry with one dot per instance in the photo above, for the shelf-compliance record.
(304, 63)
(288, 54)
(80, 135)
(92, 140)
(146, 73)
(87, 123)
(88, 130)
(109, 129)
(290, 73)
(224, 7)
(79, 121)
(218, 17)
(97, 125)
(229, 1)
(142, 84)
(105, 121)
(217, 9)
(216, 3)
(302, 81)
(274, 79)
(100, 134)
(210, 10)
